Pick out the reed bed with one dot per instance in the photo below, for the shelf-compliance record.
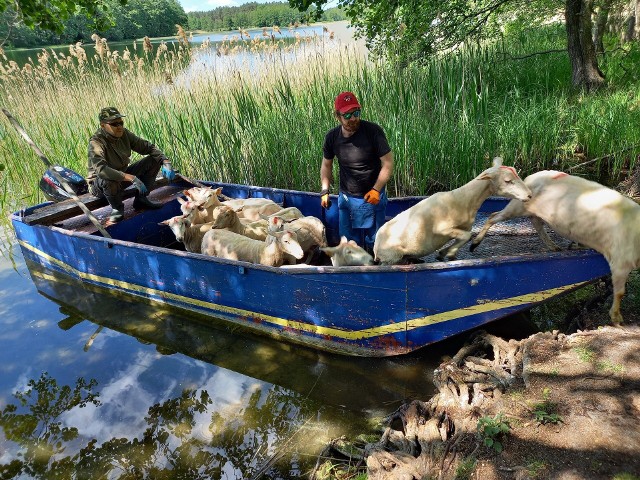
(257, 114)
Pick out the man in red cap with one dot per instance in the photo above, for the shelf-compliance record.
(366, 165)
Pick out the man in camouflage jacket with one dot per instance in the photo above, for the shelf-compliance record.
(110, 168)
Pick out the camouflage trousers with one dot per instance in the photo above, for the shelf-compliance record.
(146, 169)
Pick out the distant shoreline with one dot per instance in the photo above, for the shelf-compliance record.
(341, 29)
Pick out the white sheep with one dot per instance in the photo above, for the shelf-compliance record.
(431, 223)
(202, 200)
(190, 235)
(584, 212)
(310, 233)
(225, 217)
(230, 245)
(348, 253)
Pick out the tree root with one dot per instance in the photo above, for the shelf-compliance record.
(424, 439)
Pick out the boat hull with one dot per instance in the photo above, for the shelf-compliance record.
(366, 311)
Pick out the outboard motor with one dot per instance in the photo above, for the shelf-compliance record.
(54, 191)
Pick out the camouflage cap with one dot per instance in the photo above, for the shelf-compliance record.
(109, 113)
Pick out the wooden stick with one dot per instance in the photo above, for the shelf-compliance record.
(56, 175)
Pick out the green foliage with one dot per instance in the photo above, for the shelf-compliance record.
(625, 476)
(585, 354)
(536, 469)
(52, 14)
(136, 19)
(254, 15)
(492, 431)
(546, 411)
(465, 469)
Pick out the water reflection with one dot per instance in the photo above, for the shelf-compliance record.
(326, 377)
(96, 385)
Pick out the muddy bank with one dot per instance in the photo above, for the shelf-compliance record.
(550, 406)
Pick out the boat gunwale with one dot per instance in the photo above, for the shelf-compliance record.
(301, 269)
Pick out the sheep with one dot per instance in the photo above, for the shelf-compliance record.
(443, 216)
(204, 199)
(230, 245)
(584, 212)
(225, 217)
(348, 253)
(190, 235)
(310, 232)
(200, 195)
(253, 212)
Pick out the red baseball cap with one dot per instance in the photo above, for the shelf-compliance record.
(346, 101)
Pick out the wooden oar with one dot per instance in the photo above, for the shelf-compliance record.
(201, 185)
(56, 175)
(188, 180)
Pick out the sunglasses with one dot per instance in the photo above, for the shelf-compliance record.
(347, 116)
(116, 124)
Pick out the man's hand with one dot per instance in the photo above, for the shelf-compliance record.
(168, 172)
(372, 197)
(324, 201)
(142, 188)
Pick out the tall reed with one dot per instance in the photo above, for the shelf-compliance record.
(259, 115)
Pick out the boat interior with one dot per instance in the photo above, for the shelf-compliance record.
(512, 238)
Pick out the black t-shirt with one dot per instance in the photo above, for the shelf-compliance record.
(358, 156)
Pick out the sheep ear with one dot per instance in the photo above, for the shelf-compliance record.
(331, 251)
(218, 191)
(164, 222)
(187, 193)
(353, 242)
(497, 161)
(181, 201)
(343, 239)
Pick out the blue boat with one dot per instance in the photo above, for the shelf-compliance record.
(364, 311)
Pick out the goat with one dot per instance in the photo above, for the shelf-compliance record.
(348, 253)
(584, 212)
(431, 223)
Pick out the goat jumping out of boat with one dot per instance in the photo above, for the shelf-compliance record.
(230, 245)
(584, 212)
(431, 223)
(347, 254)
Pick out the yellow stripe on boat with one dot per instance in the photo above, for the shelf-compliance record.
(378, 331)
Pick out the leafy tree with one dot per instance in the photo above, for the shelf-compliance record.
(51, 14)
(410, 30)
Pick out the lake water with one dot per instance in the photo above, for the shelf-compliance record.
(22, 56)
(175, 394)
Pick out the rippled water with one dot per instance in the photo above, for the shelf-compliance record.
(167, 393)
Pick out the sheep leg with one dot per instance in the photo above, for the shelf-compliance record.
(514, 209)
(462, 237)
(538, 224)
(619, 279)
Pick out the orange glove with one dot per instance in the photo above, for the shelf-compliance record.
(372, 197)
(324, 201)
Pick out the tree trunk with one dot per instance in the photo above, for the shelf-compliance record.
(602, 16)
(582, 53)
(630, 24)
(636, 29)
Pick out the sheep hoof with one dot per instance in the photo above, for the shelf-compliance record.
(473, 246)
